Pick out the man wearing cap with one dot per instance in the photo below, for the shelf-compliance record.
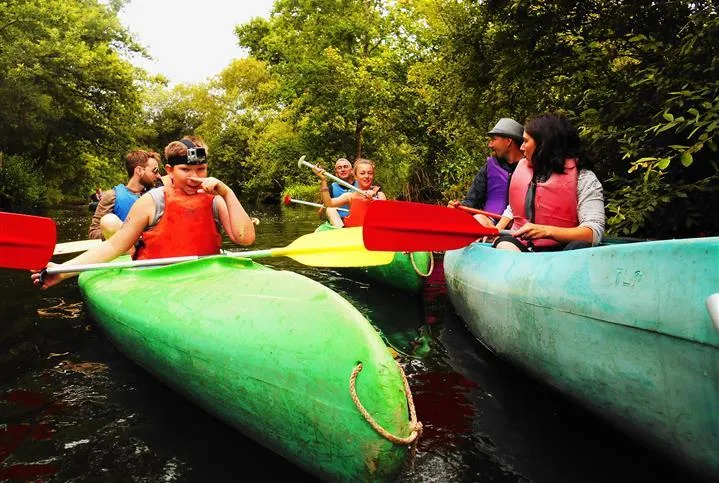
(490, 186)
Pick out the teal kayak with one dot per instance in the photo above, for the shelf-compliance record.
(406, 272)
(624, 329)
(282, 358)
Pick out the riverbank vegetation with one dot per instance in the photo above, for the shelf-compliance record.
(411, 84)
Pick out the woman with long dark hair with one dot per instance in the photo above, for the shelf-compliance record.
(555, 201)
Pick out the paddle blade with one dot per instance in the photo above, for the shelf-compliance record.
(411, 227)
(342, 247)
(26, 242)
(75, 247)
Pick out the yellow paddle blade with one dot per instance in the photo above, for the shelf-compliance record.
(333, 248)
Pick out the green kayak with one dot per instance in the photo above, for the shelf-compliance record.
(406, 272)
(280, 357)
(625, 329)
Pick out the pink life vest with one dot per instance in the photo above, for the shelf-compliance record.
(555, 200)
(187, 227)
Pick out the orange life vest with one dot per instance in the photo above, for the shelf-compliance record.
(187, 227)
(358, 210)
(555, 200)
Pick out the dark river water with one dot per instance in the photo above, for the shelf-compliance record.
(72, 408)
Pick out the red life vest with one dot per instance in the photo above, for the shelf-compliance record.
(187, 227)
(555, 200)
(358, 210)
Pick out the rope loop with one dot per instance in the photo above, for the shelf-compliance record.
(414, 425)
(416, 269)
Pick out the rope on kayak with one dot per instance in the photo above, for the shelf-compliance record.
(414, 425)
(431, 265)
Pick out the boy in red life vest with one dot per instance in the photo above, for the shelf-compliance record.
(174, 220)
(364, 175)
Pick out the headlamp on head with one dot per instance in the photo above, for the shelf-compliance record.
(195, 154)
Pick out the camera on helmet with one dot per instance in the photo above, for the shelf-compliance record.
(196, 155)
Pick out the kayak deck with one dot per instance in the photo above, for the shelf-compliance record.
(623, 329)
(269, 352)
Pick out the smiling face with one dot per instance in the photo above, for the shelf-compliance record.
(343, 170)
(499, 146)
(528, 146)
(364, 173)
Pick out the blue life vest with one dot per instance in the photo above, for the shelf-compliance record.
(124, 199)
(337, 190)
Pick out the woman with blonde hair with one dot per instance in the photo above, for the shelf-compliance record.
(358, 202)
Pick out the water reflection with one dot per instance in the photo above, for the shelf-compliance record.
(60, 309)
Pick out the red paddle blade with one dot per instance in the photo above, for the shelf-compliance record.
(410, 227)
(26, 242)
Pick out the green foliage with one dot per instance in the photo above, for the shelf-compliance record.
(673, 159)
(637, 78)
(339, 83)
(659, 208)
(65, 85)
(303, 192)
(21, 186)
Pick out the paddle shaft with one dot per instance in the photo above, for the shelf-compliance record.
(158, 262)
(334, 248)
(318, 205)
(479, 212)
(331, 176)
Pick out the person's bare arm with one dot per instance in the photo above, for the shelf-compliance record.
(137, 220)
(506, 220)
(105, 206)
(233, 217)
(338, 202)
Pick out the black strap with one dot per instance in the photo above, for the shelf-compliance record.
(188, 143)
(529, 200)
(529, 207)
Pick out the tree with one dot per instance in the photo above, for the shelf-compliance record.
(66, 91)
(339, 77)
